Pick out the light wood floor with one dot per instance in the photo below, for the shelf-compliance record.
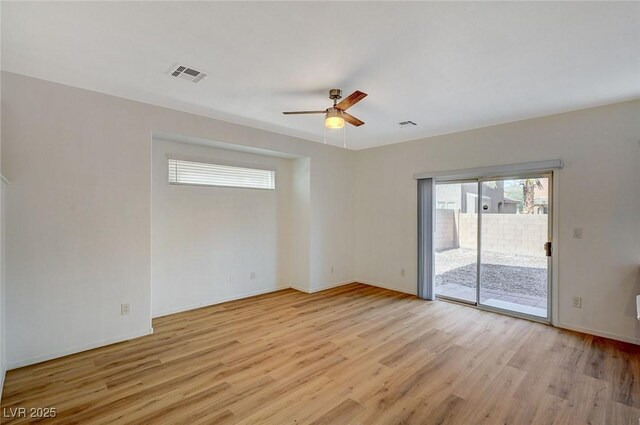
(350, 355)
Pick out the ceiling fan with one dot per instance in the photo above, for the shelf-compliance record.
(336, 115)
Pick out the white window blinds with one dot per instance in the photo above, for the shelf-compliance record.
(204, 174)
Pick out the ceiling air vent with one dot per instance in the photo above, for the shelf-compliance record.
(187, 73)
(406, 123)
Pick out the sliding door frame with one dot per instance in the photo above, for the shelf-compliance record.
(502, 172)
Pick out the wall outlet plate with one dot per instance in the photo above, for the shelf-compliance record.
(576, 302)
(125, 309)
(577, 233)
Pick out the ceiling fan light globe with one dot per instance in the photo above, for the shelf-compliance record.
(334, 118)
(334, 122)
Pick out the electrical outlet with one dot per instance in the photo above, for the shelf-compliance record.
(125, 309)
(331, 269)
(253, 275)
(577, 233)
(402, 272)
(232, 278)
(577, 302)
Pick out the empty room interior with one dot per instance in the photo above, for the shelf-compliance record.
(341, 213)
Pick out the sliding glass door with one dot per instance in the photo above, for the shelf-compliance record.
(492, 243)
(456, 241)
(514, 231)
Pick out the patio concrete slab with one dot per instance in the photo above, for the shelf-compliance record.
(512, 306)
(527, 304)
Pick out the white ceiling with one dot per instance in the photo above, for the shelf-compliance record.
(447, 66)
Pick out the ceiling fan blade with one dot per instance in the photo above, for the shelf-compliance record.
(352, 120)
(305, 112)
(351, 100)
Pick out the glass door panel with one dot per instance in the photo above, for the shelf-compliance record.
(456, 241)
(514, 267)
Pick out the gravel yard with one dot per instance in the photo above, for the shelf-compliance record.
(515, 274)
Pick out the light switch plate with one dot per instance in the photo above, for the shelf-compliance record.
(576, 302)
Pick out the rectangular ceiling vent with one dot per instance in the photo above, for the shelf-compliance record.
(187, 73)
(406, 123)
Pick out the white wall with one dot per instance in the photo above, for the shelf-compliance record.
(79, 211)
(598, 190)
(330, 226)
(3, 356)
(204, 237)
(299, 256)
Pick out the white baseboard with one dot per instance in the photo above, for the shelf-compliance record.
(599, 333)
(391, 288)
(300, 288)
(77, 349)
(321, 288)
(216, 301)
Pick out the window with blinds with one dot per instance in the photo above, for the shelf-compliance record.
(204, 174)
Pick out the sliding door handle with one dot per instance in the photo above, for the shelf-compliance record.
(547, 248)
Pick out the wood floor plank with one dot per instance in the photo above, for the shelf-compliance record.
(353, 355)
